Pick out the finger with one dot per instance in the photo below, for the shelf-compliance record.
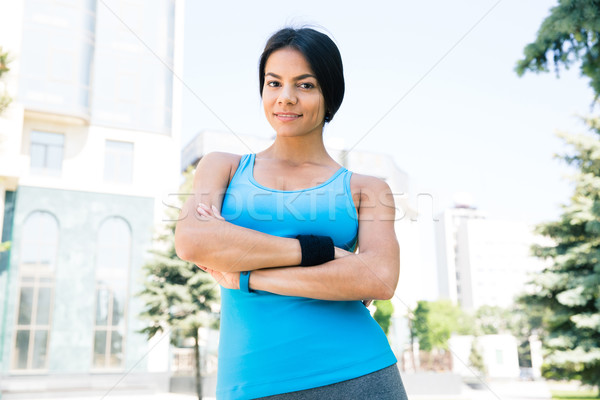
(202, 211)
(216, 212)
(202, 267)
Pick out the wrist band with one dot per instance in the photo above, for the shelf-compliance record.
(245, 282)
(316, 250)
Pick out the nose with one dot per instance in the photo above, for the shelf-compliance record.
(287, 95)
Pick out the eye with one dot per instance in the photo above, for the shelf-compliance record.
(273, 84)
(306, 85)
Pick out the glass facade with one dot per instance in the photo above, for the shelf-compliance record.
(39, 250)
(57, 52)
(112, 269)
(132, 80)
(108, 62)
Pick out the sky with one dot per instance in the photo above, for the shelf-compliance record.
(431, 83)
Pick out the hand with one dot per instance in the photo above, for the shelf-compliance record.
(208, 212)
(367, 303)
(229, 280)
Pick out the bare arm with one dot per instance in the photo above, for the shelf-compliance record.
(372, 274)
(218, 244)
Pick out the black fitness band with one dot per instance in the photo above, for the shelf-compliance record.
(316, 250)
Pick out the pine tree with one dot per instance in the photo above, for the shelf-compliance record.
(569, 288)
(177, 294)
(570, 34)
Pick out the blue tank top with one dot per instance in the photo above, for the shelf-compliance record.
(271, 344)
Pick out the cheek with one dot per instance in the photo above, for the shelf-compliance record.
(268, 99)
(321, 107)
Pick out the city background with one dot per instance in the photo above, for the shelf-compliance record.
(112, 101)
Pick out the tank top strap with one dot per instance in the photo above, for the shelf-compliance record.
(243, 168)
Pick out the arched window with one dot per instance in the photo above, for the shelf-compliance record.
(113, 258)
(39, 249)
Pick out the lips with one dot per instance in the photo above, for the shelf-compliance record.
(287, 116)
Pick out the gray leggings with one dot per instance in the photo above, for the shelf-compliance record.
(384, 384)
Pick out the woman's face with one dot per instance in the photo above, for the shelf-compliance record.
(292, 98)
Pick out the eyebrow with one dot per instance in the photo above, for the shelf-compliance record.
(299, 77)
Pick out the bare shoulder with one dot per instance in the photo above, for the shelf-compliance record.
(220, 159)
(220, 163)
(366, 187)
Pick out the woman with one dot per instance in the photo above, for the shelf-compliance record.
(278, 230)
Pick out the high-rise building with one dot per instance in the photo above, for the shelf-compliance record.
(484, 261)
(88, 150)
(448, 249)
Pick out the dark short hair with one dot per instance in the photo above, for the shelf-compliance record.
(323, 57)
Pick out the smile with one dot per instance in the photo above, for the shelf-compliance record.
(287, 117)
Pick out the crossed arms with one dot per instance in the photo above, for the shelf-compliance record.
(224, 249)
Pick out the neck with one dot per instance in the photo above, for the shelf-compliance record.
(299, 150)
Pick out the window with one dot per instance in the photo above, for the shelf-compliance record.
(36, 291)
(112, 269)
(46, 150)
(118, 162)
(499, 357)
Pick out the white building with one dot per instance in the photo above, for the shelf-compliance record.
(483, 261)
(448, 248)
(498, 352)
(88, 149)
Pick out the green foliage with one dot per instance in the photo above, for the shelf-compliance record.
(571, 33)
(492, 320)
(574, 395)
(5, 100)
(434, 321)
(476, 358)
(568, 289)
(177, 294)
(383, 314)
(4, 246)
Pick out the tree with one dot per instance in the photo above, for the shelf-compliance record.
(4, 61)
(492, 320)
(571, 33)
(434, 321)
(476, 358)
(569, 287)
(177, 294)
(383, 314)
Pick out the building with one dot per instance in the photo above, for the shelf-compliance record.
(483, 261)
(447, 248)
(498, 353)
(88, 150)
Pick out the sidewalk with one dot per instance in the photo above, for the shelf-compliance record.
(499, 390)
(109, 396)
